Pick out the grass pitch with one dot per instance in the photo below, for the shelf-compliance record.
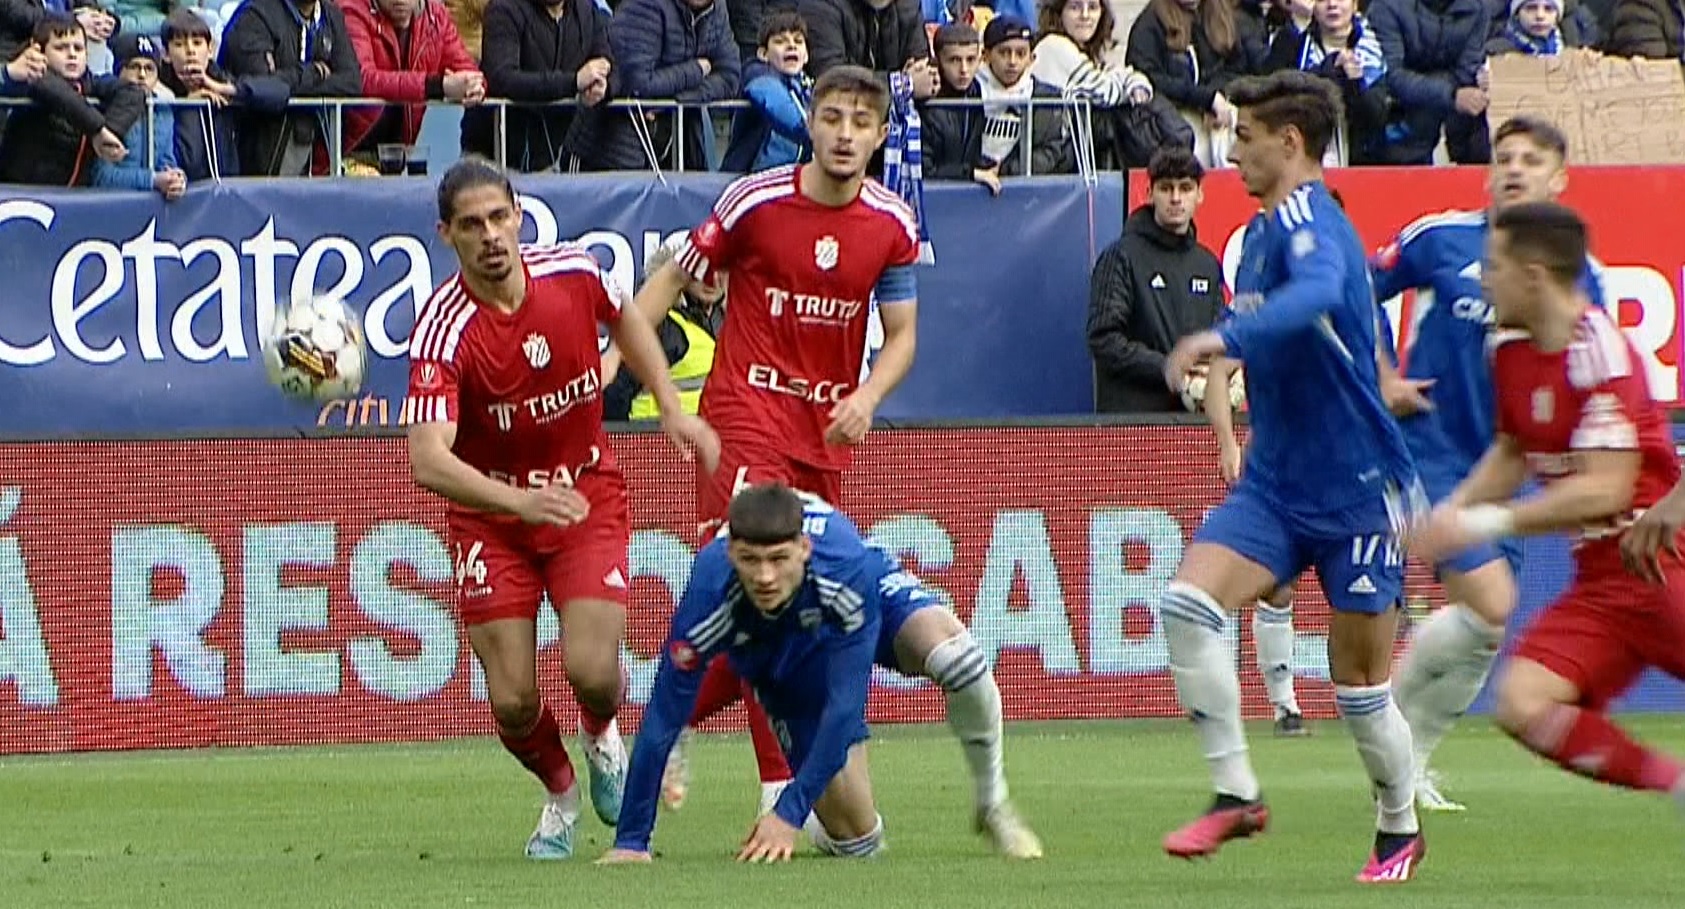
(444, 825)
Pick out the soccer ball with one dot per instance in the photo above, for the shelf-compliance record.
(316, 350)
(1193, 393)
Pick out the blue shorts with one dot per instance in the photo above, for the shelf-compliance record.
(1440, 476)
(1356, 553)
(900, 596)
(796, 733)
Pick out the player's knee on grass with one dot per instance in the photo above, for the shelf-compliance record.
(1526, 692)
(846, 811)
(1360, 647)
(865, 845)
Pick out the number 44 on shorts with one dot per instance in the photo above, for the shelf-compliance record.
(471, 570)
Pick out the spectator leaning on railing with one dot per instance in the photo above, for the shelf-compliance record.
(953, 134)
(536, 52)
(304, 44)
(137, 59)
(773, 130)
(409, 52)
(1009, 122)
(206, 147)
(54, 141)
(669, 50)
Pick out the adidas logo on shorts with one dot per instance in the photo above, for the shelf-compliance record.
(1361, 585)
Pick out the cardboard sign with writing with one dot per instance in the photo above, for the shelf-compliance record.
(1613, 110)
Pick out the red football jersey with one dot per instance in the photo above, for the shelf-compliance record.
(1591, 396)
(798, 299)
(525, 388)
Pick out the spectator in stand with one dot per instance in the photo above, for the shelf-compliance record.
(1265, 20)
(953, 135)
(773, 131)
(1191, 50)
(1074, 53)
(883, 36)
(1536, 28)
(1434, 50)
(54, 142)
(205, 143)
(669, 50)
(542, 52)
(747, 19)
(1577, 21)
(140, 17)
(21, 71)
(1007, 89)
(304, 44)
(137, 59)
(1152, 287)
(1339, 46)
(1651, 29)
(18, 19)
(409, 52)
(687, 336)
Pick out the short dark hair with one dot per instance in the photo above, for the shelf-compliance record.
(54, 25)
(1290, 97)
(184, 23)
(471, 172)
(1548, 234)
(765, 515)
(954, 34)
(1173, 162)
(779, 21)
(1543, 133)
(853, 80)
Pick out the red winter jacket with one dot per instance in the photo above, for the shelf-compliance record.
(435, 48)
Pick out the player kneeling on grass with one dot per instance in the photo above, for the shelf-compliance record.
(802, 607)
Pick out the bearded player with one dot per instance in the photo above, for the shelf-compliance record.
(1445, 407)
(1574, 410)
(505, 421)
(806, 249)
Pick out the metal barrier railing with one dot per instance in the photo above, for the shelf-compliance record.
(335, 121)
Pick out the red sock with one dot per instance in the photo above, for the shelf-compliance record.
(542, 752)
(593, 723)
(769, 754)
(720, 689)
(1587, 743)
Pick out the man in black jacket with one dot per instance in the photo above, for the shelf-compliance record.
(304, 44)
(538, 52)
(884, 36)
(1150, 288)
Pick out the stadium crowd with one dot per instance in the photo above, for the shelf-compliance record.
(594, 85)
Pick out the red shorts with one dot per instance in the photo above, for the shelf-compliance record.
(1607, 629)
(504, 566)
(741, 467)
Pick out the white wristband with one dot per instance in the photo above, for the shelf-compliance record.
(1487, 522)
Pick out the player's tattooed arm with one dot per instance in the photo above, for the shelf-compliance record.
(434, 466)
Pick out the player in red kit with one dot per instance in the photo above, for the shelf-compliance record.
(505, 421)
(806, 249)
(1574, 410)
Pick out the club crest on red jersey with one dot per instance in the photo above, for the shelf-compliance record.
(537, 349)
(825, 252)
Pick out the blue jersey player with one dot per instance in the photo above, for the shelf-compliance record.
(1304, 329)
(803, 608)
(1445, 407)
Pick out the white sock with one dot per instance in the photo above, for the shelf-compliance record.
(974, 712)
(1442, 673)
(1272, 635)
(1203, 667)
(864, 846)
(1383, 742)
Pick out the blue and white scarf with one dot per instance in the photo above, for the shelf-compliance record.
(1362, 41)
(903, 157)
(1548, 46)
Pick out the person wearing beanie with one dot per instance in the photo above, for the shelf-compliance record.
(687, 336)
(1534, 28)
(136, 59)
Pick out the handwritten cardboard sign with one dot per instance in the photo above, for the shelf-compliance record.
(1614, 110)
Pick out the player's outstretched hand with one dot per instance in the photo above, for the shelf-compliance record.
(1406, 397)
(851, 419)
(625, 857)
(555, 504)
(772, 840)
(1655, 532)
(694, 436)
(1189, 352)
(1440, 534)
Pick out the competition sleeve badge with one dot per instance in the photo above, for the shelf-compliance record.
(683, 654)
(427, 378)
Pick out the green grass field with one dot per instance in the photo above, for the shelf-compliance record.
(444, 825)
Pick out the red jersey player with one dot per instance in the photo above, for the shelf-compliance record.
(505, 421)
(1574, 409)
(806, 248)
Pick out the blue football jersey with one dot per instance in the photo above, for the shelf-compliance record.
(811, 659)
(1304, 326)
(1440, 257)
